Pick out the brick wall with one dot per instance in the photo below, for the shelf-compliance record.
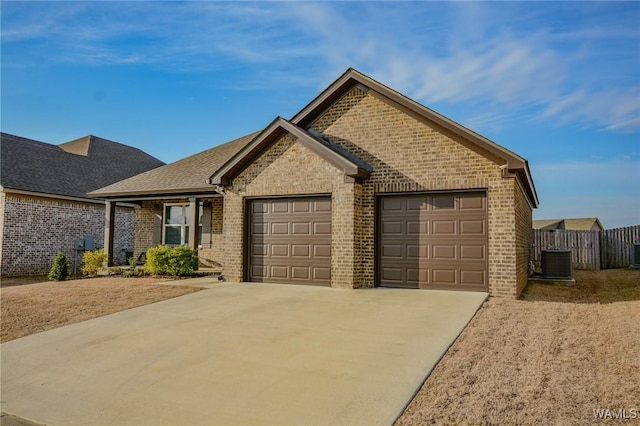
(289, 168)
(524, 236)
(409, 154)
(34, 229)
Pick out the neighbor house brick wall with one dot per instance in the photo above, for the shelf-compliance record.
(409, 154)
(289, 168)
(36, 228)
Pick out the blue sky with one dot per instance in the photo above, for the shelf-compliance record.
(556, 82)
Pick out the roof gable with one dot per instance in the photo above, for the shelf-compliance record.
(352, 78)
(72, 169)
(335, 155)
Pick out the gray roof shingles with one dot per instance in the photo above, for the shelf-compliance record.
(72, 169)
(191, 174)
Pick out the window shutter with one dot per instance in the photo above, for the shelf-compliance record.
(206, 225)
(157, 224)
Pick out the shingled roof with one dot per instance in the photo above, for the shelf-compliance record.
(71, 169)
(571, 224)
(187, 176)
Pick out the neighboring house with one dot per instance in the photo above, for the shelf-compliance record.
(44, 205)
(363, 187)
(581, 224)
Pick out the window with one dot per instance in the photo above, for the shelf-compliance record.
(176, 224)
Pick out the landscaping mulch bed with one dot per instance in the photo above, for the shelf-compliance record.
(27, 308)
(551, 358)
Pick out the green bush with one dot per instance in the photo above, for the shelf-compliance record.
(60, 268)
(93, 261)
(175, 261)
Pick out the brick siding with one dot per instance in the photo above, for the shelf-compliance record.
(210, 255)
(35, 229)
(408, 154)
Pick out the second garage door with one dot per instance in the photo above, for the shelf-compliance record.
(436, 241)
(290, 240)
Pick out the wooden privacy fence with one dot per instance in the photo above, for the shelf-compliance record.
(590, 249)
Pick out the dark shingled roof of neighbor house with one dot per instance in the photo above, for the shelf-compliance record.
(70, 169)
(190, 174)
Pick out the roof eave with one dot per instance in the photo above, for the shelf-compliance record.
(156, 193)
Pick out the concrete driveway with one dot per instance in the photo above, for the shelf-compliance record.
(238, 354)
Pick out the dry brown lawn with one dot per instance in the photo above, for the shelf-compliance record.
(27, 308)
(550, 358)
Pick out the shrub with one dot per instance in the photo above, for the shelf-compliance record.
(60, 268)
(93, 261)
(175, 261)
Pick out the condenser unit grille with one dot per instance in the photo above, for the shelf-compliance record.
(556, 264)
(635, 256)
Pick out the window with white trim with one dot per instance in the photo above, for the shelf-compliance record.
(176, 224)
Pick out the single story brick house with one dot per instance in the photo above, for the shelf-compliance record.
(44, 205)
(363, 187)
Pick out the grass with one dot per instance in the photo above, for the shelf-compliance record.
(551, 358)
(27, 307)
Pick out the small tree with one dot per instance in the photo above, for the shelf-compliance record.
(60, 268)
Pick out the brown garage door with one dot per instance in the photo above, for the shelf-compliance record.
(436, 241)
(290, 240)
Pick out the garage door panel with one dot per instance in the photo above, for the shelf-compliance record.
(433, 241)
(472, 252)
(416, 203)
(472, 202)
(300, 272)
(321, 274)
(301, 206)
(259, 250)
(417, 227)
(444, 276)
(301, 228)
(300, 250)
(290, 240)
(443, 202)
(415, 276)
(322, 205)
(392, 204)
(280, 206)
(279, 272)
(260, 229)
(471, 227)
(322, 228)
(280, 250)
(392, 228)
(259, 271)
(322, 250)
(443, 227)
(473, 278)
(393, 250)
(443, 252)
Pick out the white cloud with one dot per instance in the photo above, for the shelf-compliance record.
(507, 59)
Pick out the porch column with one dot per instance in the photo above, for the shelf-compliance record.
(109, 229)
(194, 208)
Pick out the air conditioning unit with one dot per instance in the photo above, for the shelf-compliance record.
(635, 256)
(556, 264)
